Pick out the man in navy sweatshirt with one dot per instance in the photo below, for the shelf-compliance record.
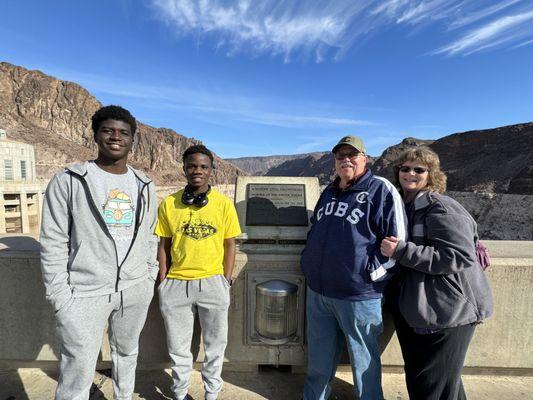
(346, 273)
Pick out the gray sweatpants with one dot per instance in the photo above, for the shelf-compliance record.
(80, 328)
(179, 300)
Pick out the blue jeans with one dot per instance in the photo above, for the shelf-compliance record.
(330, 323)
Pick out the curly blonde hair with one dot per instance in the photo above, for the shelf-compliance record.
(427, 157)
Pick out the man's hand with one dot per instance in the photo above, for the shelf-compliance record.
(162, 275)
(163, 256)
(388, 245)
(230, 249)
(229, 280)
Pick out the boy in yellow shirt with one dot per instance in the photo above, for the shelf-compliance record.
(197, 227)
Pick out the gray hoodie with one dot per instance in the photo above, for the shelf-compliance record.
(442, 283)
(78, 254)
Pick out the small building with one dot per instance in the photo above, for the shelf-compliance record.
(20, 193)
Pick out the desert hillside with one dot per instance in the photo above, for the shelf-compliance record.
(261, 165)
(55, 117)
(498, 160)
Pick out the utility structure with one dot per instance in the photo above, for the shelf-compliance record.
(21, 195)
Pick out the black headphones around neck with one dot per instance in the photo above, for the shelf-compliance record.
(199, 200)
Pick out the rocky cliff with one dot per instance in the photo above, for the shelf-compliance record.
(321, 165)
(496, 160)
(499, 216)
(490, 172)
(55, 117)
(261, 165)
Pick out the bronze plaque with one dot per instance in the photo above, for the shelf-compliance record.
(270, 204)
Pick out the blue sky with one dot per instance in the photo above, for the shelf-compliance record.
(267, 77)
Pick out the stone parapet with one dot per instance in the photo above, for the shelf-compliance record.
(27, 337)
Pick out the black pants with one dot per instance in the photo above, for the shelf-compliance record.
(433, 362)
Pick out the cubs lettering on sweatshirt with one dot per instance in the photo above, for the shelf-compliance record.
(342, 258)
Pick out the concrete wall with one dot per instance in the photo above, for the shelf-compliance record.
(15, 152)
(20, 196)
(21, 206)
(503, 341)
(27, 336)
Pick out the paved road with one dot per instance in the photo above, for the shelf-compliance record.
(35, 384)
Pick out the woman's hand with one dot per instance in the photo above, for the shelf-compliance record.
(388, 245)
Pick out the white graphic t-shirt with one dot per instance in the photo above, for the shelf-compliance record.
(116, 198)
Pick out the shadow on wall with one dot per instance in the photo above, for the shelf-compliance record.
(290, 386)
(24, 312)
(153, 349)
(24, 309)
(10, 243)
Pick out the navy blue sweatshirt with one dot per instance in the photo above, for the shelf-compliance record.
(341, 258)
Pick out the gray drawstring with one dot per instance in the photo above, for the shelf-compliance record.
(200, 285)
(121, 305)
(187, 289)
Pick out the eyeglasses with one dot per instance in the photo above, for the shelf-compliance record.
(418, 170)
(351, 154)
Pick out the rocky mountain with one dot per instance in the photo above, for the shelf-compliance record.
(496, 160)
(55, 117)
(321, 166)
(382, 166)
(499, 216)
(490, 172)
(260, 165)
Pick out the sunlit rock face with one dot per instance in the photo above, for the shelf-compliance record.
(496, 160)
(55, 117)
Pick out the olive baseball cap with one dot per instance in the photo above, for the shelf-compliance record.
(354, 141)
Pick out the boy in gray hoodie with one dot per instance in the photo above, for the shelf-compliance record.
(98, 257)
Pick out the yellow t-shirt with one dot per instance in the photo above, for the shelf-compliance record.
(197, 234)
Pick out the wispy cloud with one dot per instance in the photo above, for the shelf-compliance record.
(302, 121)
(528, 42)
(492, 34)
(205, 102)
(310, 146)
(415, 12)
(475, 16)
(374, 143)
(328, 28)
(266, 26)
(322, 142)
